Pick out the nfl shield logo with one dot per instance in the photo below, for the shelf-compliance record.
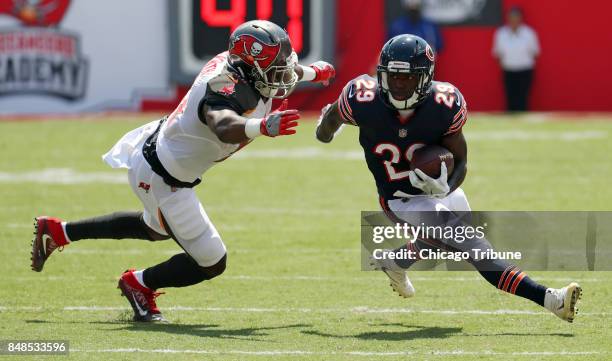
(403, 133)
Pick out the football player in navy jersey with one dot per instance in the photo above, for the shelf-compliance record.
(404, 109)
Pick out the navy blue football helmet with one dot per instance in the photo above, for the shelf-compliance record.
(410, 60)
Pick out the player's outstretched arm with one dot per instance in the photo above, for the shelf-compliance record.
(230, 127)
(457, 145)
(317, 72)
(329, 123)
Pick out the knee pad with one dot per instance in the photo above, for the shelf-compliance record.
(207, 249)
(194, 232)
(216, 269)
(186, 220)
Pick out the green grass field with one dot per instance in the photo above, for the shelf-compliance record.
(289, 212)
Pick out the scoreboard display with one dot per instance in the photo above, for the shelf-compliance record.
(200, 29)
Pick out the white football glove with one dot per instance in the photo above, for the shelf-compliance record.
(430, 186)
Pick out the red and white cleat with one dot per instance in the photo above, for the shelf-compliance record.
(142, 299)
(48, 236)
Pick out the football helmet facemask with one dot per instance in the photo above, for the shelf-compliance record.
(405, 71)
(261, 51)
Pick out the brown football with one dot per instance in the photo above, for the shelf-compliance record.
(430, 158)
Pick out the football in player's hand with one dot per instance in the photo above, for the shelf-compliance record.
(429, 159)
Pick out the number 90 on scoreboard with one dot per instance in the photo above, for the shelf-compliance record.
(200, 29)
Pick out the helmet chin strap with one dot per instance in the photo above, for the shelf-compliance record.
(402, 104)
(272, 90)
(269, 92)
(398, 104)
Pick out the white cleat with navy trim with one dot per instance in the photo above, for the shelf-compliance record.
(562, 301)
(398, 277)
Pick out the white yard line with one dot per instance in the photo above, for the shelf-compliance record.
(345, 353)
(280, 250)
(566, 136)
(357, 310)
(19, 308)
(357, 277)
(64, 176)
(283, 211)
(20, 225)
(301, 153)
(71, 176)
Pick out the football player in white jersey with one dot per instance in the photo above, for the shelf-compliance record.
(228, 105)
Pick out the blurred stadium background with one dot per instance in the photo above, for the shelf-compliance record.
(143, 54)
(294, 289)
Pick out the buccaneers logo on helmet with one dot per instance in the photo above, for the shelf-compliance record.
(250, 50)
(261, 52)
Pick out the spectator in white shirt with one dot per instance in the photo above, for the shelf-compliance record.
(516, 47)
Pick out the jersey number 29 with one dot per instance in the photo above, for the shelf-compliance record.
(445, 94)
(396, 154)
(365, 90)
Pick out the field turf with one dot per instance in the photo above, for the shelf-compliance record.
(288, 210)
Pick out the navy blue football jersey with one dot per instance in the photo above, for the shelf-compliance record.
(388, 140)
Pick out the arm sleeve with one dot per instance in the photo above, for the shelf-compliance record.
(344, 104)
(355, 99)
(224, 92)
(459, 115)
(218, 101)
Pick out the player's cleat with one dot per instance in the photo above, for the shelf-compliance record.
(142, 299)
(48, 236)
(398, 277)
(562, 301)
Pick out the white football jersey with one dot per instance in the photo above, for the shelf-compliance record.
(186, 146)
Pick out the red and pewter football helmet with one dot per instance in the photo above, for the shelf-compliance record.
(261, 51)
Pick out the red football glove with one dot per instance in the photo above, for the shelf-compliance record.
(324, 71)
(280, 122)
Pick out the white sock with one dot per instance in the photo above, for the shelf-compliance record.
(65, 233)
(138, 275)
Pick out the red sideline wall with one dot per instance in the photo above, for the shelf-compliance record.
(360, 33)
(572, 72)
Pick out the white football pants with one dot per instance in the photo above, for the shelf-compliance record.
(182, 212)
(455, 201)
